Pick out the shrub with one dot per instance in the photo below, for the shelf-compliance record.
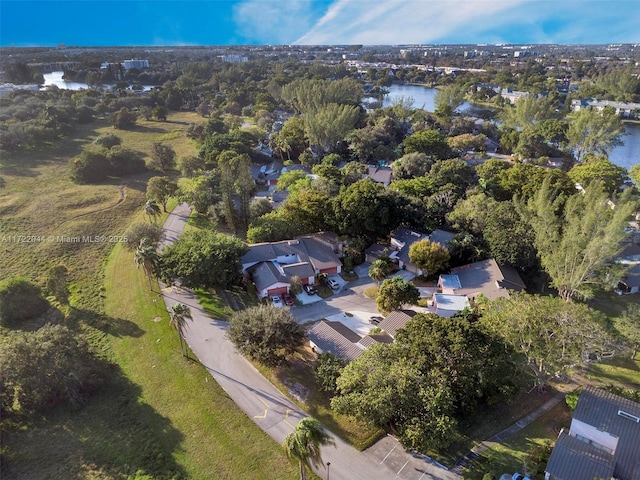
(20, 300)
(47, 367)
(108, 140)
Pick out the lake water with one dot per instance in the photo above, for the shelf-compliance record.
(55, 78)
(424, 97)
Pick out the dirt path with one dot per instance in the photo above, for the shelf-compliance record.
(123, 196)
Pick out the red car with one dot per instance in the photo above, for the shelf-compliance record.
(287, 299)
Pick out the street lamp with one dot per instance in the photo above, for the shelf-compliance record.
(328, 465)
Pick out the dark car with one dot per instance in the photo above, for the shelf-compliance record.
(310, 289)
(287, 299)
(375, 320)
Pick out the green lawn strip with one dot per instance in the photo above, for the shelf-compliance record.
(618, 371)
(613, 304)
(509, 456)
(213, 304)
(216, 439)
(298, 370)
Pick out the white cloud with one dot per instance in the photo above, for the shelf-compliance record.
(268, 21)
(475, 21)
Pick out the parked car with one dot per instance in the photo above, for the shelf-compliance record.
(277, 302)
(310, 289)
(375, 320)
(287, 299)
(333, 284)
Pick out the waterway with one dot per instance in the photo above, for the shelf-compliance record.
(424, 97)
(55, 78)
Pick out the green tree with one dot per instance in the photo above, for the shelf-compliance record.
(203, 259)
(365, 209)
(266, 333)
(634, 173)
(201, 193)
(577, 239)
(592, 131)
(627, 325)
(124, 119)
(108, 140)
(431, 257)
(152, 210)
(394, 293)
(179, 314)
(160, 113)
(304, 443)
(138, 231)
(551, 335)
(429, 142)
(467, 141)
(191, 166)
(161, 189)
(163, 157)
(611, 175)
(51, 366)
(290, 177)
(411, 165)
(327, 370)
(528, 110)
(20, 300)
(330, 124)
(432, 377)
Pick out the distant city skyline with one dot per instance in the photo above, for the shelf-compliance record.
(316, 22)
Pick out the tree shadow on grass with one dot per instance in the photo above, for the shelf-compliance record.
(115, 435)
(116, 327)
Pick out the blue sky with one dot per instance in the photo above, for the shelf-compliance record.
(241, 22)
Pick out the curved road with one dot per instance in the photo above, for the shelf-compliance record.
(267, 406)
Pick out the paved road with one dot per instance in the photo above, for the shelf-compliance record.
(271, 409)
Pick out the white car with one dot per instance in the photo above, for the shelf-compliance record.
(333, 284)
(277, 301)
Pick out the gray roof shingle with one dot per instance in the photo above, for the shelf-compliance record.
(396, 320)
(573, 459)
(336, 338)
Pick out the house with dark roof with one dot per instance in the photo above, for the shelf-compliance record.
(448, 305)
(400, 242)
(271, 265)
(602, 442)
(395, 321)
(337, 338)
(485, 277)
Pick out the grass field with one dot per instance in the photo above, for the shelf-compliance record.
(159, 416)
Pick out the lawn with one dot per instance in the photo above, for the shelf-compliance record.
(159, 415)
(509, 456)
(620, 371)
(296, 375)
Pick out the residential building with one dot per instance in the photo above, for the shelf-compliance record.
(602, 442)
(485, 277)
(447, 305)
(381, 175)
(624, 109)
(401, 240)
(395, 321)
(337, 338)
(272, 265)
(233, 58)
(135, 63)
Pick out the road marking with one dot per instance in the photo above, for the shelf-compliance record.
(402, 468)
(264, 415)
(286, 418)
(388, 455)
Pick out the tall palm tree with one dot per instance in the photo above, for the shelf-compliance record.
(152, 209)
(304, 444)
(179, 314)
(146, 256)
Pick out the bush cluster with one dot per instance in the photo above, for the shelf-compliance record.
(97, 164)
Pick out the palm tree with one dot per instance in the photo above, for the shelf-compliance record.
(146, 256)
(179, 315)
(152, 209)
(378, 270)
(304, 444)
